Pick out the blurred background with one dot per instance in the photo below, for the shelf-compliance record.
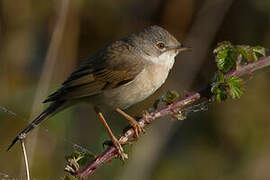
(41, 42)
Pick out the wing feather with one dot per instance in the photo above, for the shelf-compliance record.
(105, 70)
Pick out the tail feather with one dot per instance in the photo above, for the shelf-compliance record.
(44, 115)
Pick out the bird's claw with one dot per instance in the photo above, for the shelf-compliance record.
(120, 150)
(137, 129)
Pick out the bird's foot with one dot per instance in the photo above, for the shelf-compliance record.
(122, 155)
(137, 128)
(135, 124)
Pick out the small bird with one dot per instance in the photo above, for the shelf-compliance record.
(121, 74)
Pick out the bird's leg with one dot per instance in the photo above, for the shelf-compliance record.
(115, 141)
(136, 126)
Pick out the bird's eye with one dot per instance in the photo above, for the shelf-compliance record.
(161, 45)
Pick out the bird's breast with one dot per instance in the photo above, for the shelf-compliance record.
(145, 84)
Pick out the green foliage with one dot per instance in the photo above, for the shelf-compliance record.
(81, 157)
(76, 160)
(219, 77)
(222, 87)
(170, 97)
(250, 53)
(225, 56)
(236, 87)
(220, 92)
(229, 58)
(258, 51)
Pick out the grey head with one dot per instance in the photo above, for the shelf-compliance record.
(157, 45)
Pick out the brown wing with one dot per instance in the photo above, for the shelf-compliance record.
(105, 70)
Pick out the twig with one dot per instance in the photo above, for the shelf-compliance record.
(25, 159)
(171, 109)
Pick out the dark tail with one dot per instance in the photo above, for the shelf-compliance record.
(44, 115)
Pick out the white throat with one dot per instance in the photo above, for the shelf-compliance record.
(167, 59)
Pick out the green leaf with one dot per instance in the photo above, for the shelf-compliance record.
(170, 97)
(236, 87)
(220, 92)
(80, 157)
(250, 53)
(218, 77)
(258, 51)
(222, 46)
(226, 56)
(246, 51)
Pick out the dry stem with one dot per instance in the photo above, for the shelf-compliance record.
(25, 160)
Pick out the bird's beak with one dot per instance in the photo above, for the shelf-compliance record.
(181, 49)
(178, 48)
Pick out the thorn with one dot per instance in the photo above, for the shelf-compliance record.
(146, 115)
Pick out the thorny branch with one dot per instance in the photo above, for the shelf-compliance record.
(172, 109)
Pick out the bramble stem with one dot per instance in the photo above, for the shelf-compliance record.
(176, 107)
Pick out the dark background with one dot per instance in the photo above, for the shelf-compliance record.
(41, 42)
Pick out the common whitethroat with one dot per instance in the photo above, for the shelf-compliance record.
(121, 74)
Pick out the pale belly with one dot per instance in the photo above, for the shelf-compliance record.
(145, 84)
